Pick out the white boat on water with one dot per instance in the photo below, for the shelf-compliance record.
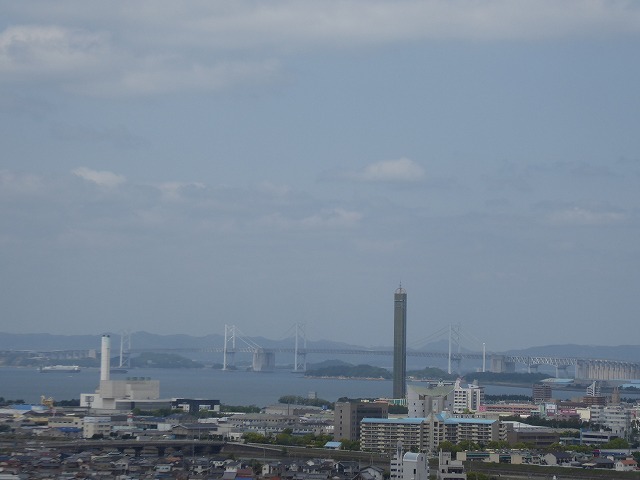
(60, 369)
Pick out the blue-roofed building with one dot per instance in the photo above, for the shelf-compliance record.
(333, 445)
(424, 434)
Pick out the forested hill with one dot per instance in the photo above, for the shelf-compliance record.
(351, 371)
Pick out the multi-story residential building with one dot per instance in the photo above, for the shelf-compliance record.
(422, 401)
(266, 424)
(348, 415)
(96, 426)
(510, 408)
(476, 430)
(594, 389)
(452, 398)
(426, 433)
(541, 392)
(467, 399)
(65, 421)
(384, 434)
(615, 418)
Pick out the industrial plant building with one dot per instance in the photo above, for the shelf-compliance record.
(134, 392)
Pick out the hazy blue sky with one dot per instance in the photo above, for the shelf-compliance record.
(178, 166)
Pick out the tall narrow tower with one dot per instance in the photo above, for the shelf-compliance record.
(399, 343)
(105, 358)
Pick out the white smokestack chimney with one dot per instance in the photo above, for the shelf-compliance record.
(105, 358)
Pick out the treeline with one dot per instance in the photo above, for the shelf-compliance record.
(311, 402)
(352, 371)
(163, 360)
(431, 373)
(286, 438)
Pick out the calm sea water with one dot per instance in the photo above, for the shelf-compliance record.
(231, 388)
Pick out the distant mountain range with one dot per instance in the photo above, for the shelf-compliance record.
(146, 340)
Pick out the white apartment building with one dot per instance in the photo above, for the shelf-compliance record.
(409, 466)
(452, 398)
(96, 426)
(426, 433)
(616, 417)
(65, 421)
(422, 401)
(467, 399)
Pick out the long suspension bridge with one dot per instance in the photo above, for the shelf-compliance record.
(263, 358)
(583, 368)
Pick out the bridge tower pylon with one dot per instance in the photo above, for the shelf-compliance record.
(454, 337)
(300, 352)
(125, 349)
(229, 349)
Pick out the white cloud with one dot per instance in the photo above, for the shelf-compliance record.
(50, 50)
(102, 178)
(91, 63)
(173, 191)
(159, 47)
(326, 219)
(274, 189)
(20, 184)
(400, 170)
(154, 76)
(336, 218)
(581, 216)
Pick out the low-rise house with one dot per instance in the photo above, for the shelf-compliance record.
(599, 462)
(626, 465)
(195, 430)
(270, 469)
(333, 445)
(558, 458)
(370, 473)
(346, 468)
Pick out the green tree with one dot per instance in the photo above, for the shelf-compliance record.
(352, 445)
(477, 476)
(256, 466)
(447, 446)
(498, 445)
(523, 446)
(616, 443)
(239, 409)
(467, 445)
(252, 437)
(285, 439)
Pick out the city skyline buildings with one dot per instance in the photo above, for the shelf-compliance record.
(400, 343)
